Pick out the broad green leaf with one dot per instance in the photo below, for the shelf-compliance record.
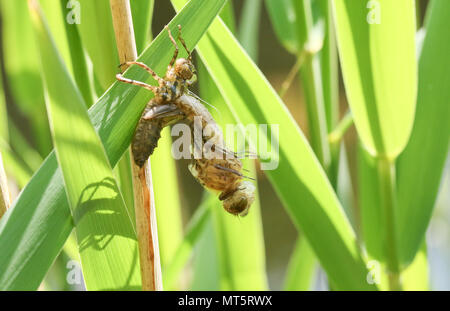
(142, 12)
(34, 231)
(97, 35)
(284, 21)
(299, 179)
(421, 165)
(376, 41)
(104, 230)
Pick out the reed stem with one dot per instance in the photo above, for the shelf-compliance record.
(386, 176)
(142, 179)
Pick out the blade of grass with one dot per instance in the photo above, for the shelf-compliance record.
(421, 165)
(329, 66)
(194, 230)
(167, 199)
(77, 58)
(97, 35)
(369, 202)
(105, 235)
(310, 73)
(301, 267)
(330, 86)
(33, 232)
(253, 101)
(142, 12)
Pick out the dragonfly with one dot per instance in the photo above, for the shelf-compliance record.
(219, 169)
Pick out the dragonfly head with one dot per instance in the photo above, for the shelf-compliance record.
(240, 201)
(184, 68)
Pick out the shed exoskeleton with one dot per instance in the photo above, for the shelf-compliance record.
(219, 172)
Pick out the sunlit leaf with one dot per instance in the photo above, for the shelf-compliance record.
(106, 239)
(34, 231)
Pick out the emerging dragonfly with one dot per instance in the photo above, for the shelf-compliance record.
(174, 102)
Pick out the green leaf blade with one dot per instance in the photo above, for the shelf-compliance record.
(106, 239)
(283, 18)
(421, 165)
(377, 50)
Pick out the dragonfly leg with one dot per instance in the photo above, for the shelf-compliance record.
(149, 87)
(175, 54)
(183, 43)
(146, 68)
